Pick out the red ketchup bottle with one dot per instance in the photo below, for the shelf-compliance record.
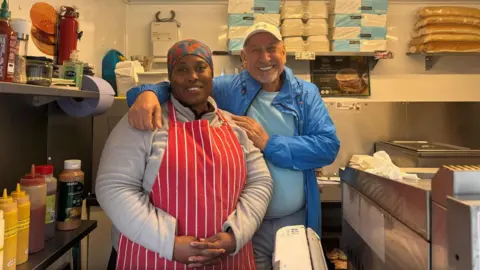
(36, 188)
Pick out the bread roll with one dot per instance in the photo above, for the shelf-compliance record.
(449, 11)
(438, 20)
(445, 37)
(447, 29)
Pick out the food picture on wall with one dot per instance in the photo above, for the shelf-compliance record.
(44, 21)
(341, 75)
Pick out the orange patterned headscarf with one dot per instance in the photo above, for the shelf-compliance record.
(188, 47)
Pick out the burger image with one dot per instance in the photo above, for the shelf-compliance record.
(44, 22)
(350, 81)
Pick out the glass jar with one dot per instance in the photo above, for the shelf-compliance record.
(20, 73)
(39, 70)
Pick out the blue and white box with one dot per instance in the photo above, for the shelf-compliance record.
(358, 45)
(266, 6)
(368, 33)
(360, 6)
(358, 20)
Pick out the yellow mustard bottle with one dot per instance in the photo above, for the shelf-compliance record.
(2, 232)
(23, 225)
(9, 208)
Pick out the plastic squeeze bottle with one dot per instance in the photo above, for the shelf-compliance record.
(46, 171)
(23, 225)
(9, 208)
(70, 186)
(36, 188)
(2, 235)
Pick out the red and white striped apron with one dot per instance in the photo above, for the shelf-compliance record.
(199, 182)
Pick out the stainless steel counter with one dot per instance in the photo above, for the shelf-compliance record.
(407, 201)
(463, 230)
(375, 240)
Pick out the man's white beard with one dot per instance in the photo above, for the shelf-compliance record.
(269, 78)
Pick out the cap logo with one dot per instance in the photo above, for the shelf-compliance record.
(260, 26)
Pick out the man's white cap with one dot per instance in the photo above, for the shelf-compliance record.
(262, 27)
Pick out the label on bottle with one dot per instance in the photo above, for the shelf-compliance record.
(10, 232)
(11, 263)
(70, 201)
(11, 57)
(70, 74)
(23, 224)
(3, 55)
(50, 209)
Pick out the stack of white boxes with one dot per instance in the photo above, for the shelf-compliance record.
(244, 13)
(304, 26)
(358, 25)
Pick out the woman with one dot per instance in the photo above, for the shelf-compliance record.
(190, 193)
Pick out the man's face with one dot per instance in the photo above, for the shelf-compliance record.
(191, 80)
(264, 57)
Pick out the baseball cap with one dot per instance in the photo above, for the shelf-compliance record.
(262, 27)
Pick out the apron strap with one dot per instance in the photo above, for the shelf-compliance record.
(219, 113)
(172, 115)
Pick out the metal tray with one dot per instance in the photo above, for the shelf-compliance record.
(426, 148)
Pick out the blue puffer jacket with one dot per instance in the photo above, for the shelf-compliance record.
(315, 143)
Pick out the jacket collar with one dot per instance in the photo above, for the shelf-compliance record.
(188, 115)
(289, 90)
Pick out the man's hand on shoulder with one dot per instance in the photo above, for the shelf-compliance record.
(145, 113)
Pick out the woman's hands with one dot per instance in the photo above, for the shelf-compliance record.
(184, 250)
(221, 241)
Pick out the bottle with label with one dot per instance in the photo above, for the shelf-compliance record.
(6, 32)
(73, 69)
(2, 235)
(23, 225)
(36, 188)
(9, 208)
(70, 190)
(12, 52)
(46, 171)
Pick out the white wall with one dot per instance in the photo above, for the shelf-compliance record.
(100, 32)
(401, 79)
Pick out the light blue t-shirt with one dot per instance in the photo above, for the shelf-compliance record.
(288, 185)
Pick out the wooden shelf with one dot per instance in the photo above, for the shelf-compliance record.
(42, 95)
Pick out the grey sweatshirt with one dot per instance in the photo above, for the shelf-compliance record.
(129, 166)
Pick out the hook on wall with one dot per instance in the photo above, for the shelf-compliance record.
(171, 19)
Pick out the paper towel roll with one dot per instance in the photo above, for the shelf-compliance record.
(90, 106)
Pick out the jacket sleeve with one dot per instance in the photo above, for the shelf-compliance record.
(255, 197)
(120, 191)
(161, 90)
(220, 91)
(318, 145)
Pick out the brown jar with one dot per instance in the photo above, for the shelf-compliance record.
(70, 194)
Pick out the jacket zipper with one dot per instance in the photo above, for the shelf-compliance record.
(249, 105)
(294, 113)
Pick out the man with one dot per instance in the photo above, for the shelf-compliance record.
(285, 118)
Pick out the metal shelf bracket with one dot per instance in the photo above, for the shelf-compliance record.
(372, 63)
(42, 100)
(430, 62)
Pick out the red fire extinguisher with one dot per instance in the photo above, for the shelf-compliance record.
(68, 33)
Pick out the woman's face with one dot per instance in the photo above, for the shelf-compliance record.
(191, 80)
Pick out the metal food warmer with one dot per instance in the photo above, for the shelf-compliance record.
(404, 224)
(425, 154)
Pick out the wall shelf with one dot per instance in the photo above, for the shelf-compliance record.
(42, 95)
(373, 57)
(431, 58)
